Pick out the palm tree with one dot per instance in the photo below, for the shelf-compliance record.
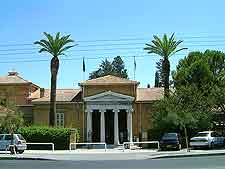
(165, 47)
(56, 47)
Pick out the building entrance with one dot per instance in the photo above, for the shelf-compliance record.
(109, 127)
(96, 126)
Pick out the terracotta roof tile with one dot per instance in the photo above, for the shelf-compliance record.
(62, 95)
(109, 79)
(14, 78)
(149, 94)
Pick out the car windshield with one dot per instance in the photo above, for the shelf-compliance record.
(202, 135)
(20, 137)
(170, 136)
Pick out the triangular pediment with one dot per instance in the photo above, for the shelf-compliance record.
(108, 96)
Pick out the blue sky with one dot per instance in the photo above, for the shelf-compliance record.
(199, 23)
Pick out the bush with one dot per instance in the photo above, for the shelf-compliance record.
(59, 136)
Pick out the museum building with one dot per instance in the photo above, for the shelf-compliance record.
(106, 109)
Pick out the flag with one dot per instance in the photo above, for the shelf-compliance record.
(83, 65)
(134, 67)
(134, 64)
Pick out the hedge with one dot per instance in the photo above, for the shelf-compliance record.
(59, 136)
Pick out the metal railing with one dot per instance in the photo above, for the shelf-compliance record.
(52, 145)
(87, 144)
(140, 142)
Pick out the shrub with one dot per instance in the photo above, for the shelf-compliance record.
(59, 136)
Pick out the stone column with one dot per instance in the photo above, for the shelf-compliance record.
(116, 128)
(89, 126)
(102, 126)
(129, 125)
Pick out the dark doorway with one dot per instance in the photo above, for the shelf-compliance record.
(122, 117)
(109, 127)
(96, 126)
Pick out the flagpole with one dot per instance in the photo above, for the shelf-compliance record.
(83, 70)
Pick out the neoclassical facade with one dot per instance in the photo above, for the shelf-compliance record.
(107, 109)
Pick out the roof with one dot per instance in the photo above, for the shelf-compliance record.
(149, 94)
(109, 79)
(62, 95)
(14, 78)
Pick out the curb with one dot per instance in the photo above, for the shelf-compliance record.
(187, 155)
(26, 158)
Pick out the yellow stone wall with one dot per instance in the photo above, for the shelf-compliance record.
(17, 94)
(129, 89)
(142, 119)
(73, 115)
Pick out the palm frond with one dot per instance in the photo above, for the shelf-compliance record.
(64, 49)
(55, 45)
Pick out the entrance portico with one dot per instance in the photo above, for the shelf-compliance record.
(108, 109)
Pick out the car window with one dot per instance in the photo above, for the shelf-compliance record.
(202, 135)
(1, 137)
(20, 137)
(214, 134)
(170, 136)
(8, 137)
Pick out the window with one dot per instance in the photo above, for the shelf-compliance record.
(59, 119)
(8, 137)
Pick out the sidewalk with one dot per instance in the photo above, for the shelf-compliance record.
(110, 154)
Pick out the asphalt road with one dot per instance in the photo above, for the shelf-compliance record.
(213, 162)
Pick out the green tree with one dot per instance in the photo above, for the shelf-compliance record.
(116, 68)
(11, 120)
(159, 74)
(206, 70)
(165, 47)
(186, 108)
(55, 47)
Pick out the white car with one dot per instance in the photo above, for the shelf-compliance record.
(18, 141)
(208, 139)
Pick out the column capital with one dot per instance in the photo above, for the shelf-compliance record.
(102, 110)
(130, 110)
(116, 110)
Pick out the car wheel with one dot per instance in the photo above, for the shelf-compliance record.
(212, 146)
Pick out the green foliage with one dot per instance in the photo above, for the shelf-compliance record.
(186, 107)
(205, 70)
(12, 119)
(159, 74)
(116, 68)
(59, 136)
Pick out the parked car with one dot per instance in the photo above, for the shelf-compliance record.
(170, 141)
(18, 141)
(207, 139)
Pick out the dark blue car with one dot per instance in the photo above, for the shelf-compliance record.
(170, 141)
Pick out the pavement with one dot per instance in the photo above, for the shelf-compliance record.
(110, 154)
(214, 162)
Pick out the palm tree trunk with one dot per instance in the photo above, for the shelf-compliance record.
(166, 76)
(54, 71)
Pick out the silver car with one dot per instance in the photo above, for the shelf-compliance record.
(18, 141)
(208, 139)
